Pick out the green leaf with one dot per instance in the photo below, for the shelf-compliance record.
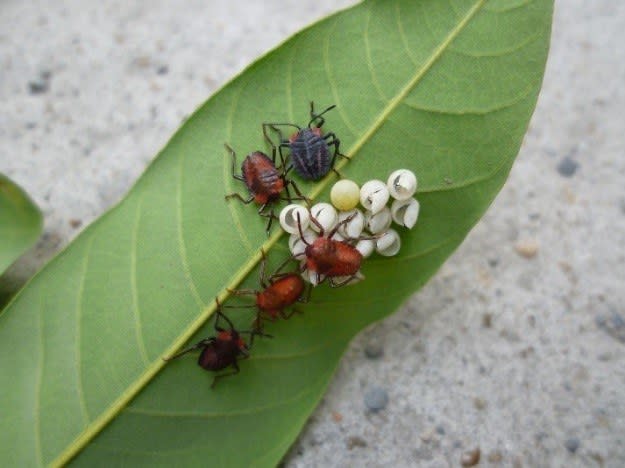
(445, 88)
(20, 222)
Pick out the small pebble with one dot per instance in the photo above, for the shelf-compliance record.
(427, 435)
(479, 403)
(440, 430)
(597, 457)
(143, 61)
(38, 86)
(487, 320)
(567, 167)
(75, 223)
(605, 356)
(374, 349)
(376, 399)
(356, 441)
(527, 248)
(495, 457)
(617, 321)
(337, 417)
(614, 325)
(162, 70)
(470, 458)
(572, 444)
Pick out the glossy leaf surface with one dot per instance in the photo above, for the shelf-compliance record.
(445, 88)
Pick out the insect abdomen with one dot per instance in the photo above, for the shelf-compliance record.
(261, 177)
(310, 155)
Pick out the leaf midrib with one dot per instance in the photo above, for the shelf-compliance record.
(105, 417)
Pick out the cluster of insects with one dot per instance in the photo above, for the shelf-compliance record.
(312, 156)
(328, 241)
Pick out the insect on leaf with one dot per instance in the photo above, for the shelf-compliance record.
(444, 88)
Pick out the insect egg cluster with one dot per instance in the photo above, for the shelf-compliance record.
(366, 229)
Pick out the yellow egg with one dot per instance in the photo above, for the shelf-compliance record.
(345, 194)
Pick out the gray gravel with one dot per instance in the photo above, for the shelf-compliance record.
(374, 349)
(376, 399)
(572, 444)
(525, 318)
(567, 167)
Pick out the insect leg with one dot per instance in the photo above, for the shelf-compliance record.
(299, 227)
(274, 126)
(220, 314)
(283, 158)
(338, 226)
(287, 316)
(257, 331)
(271, 215)
(316, 223)
(238, 195)
(246, 306)
(300, 195)
(341, 283)
(335, 142)
(227, 374)
(263, 265)
(198, 345)
(318, 278)
(277, 274)
(318, 117)
(304, 298)
(234, 163)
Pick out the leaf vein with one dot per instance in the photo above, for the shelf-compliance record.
(289, 79)
(402, 34)
(285, 357)
(40, 366)
(182, 248)
(192, 414)
(234, 213)
(453, 8)
(425, 20)
(81, 289)
(460, 112)
(374, 78)
(136, 312)
(508, 8)
(396, 101)
(331, 81)
(467, 182)
(501, 53)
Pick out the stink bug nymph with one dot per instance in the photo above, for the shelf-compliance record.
(329, 258)
(220, 351)
(279, 291)
(309, 147)
(264, 181)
